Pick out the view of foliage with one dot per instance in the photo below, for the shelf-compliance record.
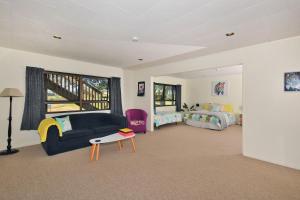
(99, 84)
(164, 95)
(73, 92)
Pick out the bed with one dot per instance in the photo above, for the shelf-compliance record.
(167, 117)
(211, 118)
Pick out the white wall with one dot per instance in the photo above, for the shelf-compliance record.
(132, 78)
(271, 116)
(200, 90)
(12, 65)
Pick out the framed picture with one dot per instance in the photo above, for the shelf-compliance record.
(141, 88)
(219, 88)
(292, 81)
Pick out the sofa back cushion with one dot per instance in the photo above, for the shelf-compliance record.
(89, 120)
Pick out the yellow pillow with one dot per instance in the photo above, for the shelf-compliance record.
(206, 106)
(125, 130)
(228, 108)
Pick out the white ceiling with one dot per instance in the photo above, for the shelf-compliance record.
(220, 71)
(101, 31)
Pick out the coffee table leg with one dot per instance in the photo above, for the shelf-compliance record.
(133, 144)
(120, 146)
(98, 152)
(92, 151)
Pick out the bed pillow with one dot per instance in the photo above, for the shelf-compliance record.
(206, 106)
(64, 123)
(228, 108)
(198, 108)
(196, 117)
(215, 108)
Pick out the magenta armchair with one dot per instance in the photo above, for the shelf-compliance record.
(137, 120)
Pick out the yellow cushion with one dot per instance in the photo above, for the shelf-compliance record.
(206, 106)
(228, 108)
(126, 130)
(44, 125)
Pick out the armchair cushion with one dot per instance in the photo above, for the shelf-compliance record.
(137, 122)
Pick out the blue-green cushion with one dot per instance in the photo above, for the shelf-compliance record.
(64, 123)
(216, 108)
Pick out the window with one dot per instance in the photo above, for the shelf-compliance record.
(164, 95)
(73, 92)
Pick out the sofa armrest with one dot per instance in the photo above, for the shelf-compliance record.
(51, 144)
(119, 119)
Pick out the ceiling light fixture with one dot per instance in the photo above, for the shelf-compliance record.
(57, 37)
(230, 34)
(135, 39)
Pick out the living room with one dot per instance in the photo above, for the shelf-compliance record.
(175, 161)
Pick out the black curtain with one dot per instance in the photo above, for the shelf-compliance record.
(34, 108)
(178, 97)
(115, 96)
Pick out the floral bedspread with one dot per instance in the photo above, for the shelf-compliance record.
(161, 118)
(220, 119)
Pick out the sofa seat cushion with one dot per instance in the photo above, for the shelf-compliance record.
(102, 130)
(77, 133)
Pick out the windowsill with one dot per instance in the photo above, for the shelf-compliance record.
(165, 106)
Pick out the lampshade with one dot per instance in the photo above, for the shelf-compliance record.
(11, 92)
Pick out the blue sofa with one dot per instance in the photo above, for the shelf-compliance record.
(84, 127)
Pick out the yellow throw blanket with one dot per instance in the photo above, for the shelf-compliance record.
(44, 125)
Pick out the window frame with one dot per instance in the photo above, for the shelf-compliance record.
(163, 95)
(80, 99)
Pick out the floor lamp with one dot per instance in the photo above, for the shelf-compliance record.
(10, 92)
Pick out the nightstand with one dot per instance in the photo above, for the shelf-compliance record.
(241, 119)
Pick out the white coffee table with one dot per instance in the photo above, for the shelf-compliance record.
(108, 139)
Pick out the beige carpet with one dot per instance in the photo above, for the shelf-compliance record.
(175, 162)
